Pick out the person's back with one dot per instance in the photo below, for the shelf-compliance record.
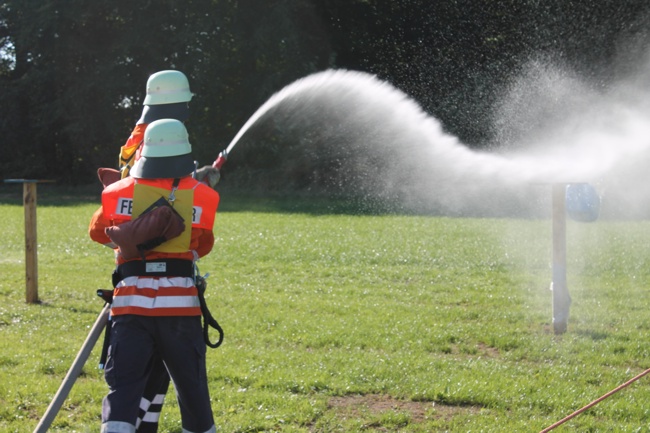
(161, 220)
(167, 96)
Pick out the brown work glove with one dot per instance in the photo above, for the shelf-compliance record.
(209, 175)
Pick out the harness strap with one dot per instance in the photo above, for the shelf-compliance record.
(174, 267)
(208, 320)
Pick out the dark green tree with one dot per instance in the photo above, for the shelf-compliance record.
(73, 72)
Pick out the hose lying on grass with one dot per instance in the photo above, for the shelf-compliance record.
(595, 402)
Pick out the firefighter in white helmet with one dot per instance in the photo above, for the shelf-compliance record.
(156, 305)
(168, 96)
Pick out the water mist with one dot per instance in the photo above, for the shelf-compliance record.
(552, 128)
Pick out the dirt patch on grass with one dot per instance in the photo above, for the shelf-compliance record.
(355, 406)
(489, 351)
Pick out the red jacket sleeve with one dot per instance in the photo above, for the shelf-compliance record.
(205, 241)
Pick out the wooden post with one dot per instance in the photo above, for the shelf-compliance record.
(561, 298)
(31, 254)
(31, 244)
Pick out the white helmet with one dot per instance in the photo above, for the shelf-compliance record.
(167, 87)
(166, 153)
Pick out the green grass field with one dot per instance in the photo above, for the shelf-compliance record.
(356, 323)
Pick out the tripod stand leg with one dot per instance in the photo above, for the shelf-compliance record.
(74, 372)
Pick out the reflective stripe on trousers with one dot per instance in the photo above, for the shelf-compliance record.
(117, 427)
(124, 427)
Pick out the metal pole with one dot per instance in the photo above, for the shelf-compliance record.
(561, 298)
(74, 372)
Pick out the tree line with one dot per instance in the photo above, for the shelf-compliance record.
(73, 72)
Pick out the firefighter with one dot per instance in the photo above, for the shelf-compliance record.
(167, 97)
(159, 220)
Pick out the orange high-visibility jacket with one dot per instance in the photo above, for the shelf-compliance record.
(130, 152)
(158, 296)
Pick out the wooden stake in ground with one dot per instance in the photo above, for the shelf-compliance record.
(31, 245)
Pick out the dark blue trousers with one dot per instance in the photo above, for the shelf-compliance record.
(137, 344)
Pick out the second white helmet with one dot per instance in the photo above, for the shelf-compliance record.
(166, 153)
(167, 87)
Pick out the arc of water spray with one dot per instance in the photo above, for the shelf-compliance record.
(223, 155)
(274, 100)
(370, 113)
(326, 79)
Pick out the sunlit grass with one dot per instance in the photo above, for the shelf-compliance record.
(344, 323)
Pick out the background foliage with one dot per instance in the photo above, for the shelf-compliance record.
(73, 72)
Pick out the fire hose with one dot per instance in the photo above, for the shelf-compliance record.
(595, 402)
(74, 372)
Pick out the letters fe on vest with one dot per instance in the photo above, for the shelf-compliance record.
(194, 201)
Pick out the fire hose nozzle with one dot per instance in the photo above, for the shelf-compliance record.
(221, 159)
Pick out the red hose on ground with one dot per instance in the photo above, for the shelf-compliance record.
(595, 402)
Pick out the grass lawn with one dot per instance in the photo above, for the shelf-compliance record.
(337, 322)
